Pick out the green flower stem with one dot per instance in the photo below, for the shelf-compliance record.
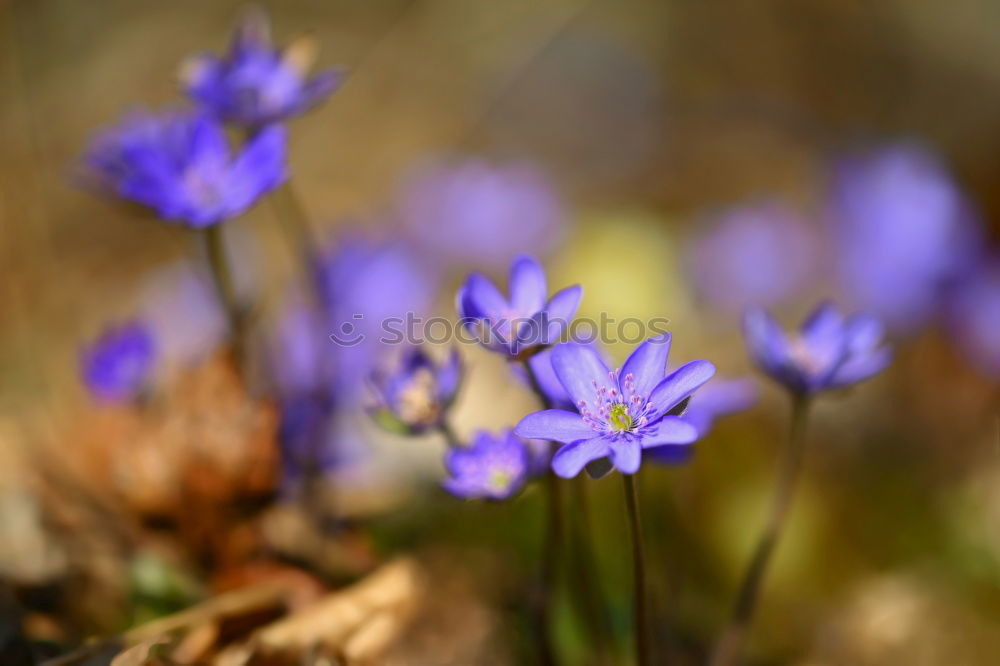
(450, 438)
(639, 571)
(730, 646)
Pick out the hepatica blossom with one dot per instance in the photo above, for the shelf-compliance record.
(254, 83)
(829, 351)
(758, 253)
(619, 413)
(493, 467)
(523, 322)
(414, 395)
(118, 365)
(179, 164)
(476, 214)
(902, 229)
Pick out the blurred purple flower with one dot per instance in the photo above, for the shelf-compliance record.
(118, 365)
(255, 84)
(974, 317)
(522, 324)
(473, 214)
(320, 383)
(415, 394)
(828, 352)
(179, 164)
(902, 229)
(621, 412)
(756, 254)
(493, 467)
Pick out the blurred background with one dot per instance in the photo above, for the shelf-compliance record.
(678, 159)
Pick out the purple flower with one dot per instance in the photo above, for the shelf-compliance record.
(118, 365)
(474, 214)
(494, 467)
(414, 396)
(974, 317)
(828, 352)
(255, 84)
(180, 165)
(902, 229)
(525, 322)
(620, 412)
(757, 254)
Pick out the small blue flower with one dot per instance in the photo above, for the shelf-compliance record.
(118, 365)
(523, 324)
(415, 394)
(494, 467)
(180, 165)
(620, 412)
(828, 352)
(255, 84)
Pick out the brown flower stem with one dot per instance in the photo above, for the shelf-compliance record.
(730, 646)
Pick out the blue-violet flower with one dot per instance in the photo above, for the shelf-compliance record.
(255, 84)
(414, 395)
(180, 165)
(621, 412)
(118, 365)
(493, 467)
(829, 351)
(524, 323)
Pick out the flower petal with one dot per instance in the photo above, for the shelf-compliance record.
(554, 424)
(860, 367)
(671, 430)
(527, 288)
(559, 312)
(626, 455)
(648, 363)
(766, 341)
(578, 367)
(680, 384)
(482, 299)
(863, 333)
(570, 459)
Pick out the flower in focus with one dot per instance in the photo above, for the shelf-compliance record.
(902, 229)
(493, 467)
(755, 254)
(118, 365)
(526, 322)
(716, 398)
(829, 351)
(180, 165)
(620, 412)
(476, 214)
(414, 395)
(255, 84)
(974, 317)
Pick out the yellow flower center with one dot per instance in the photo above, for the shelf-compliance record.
(619, 417)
